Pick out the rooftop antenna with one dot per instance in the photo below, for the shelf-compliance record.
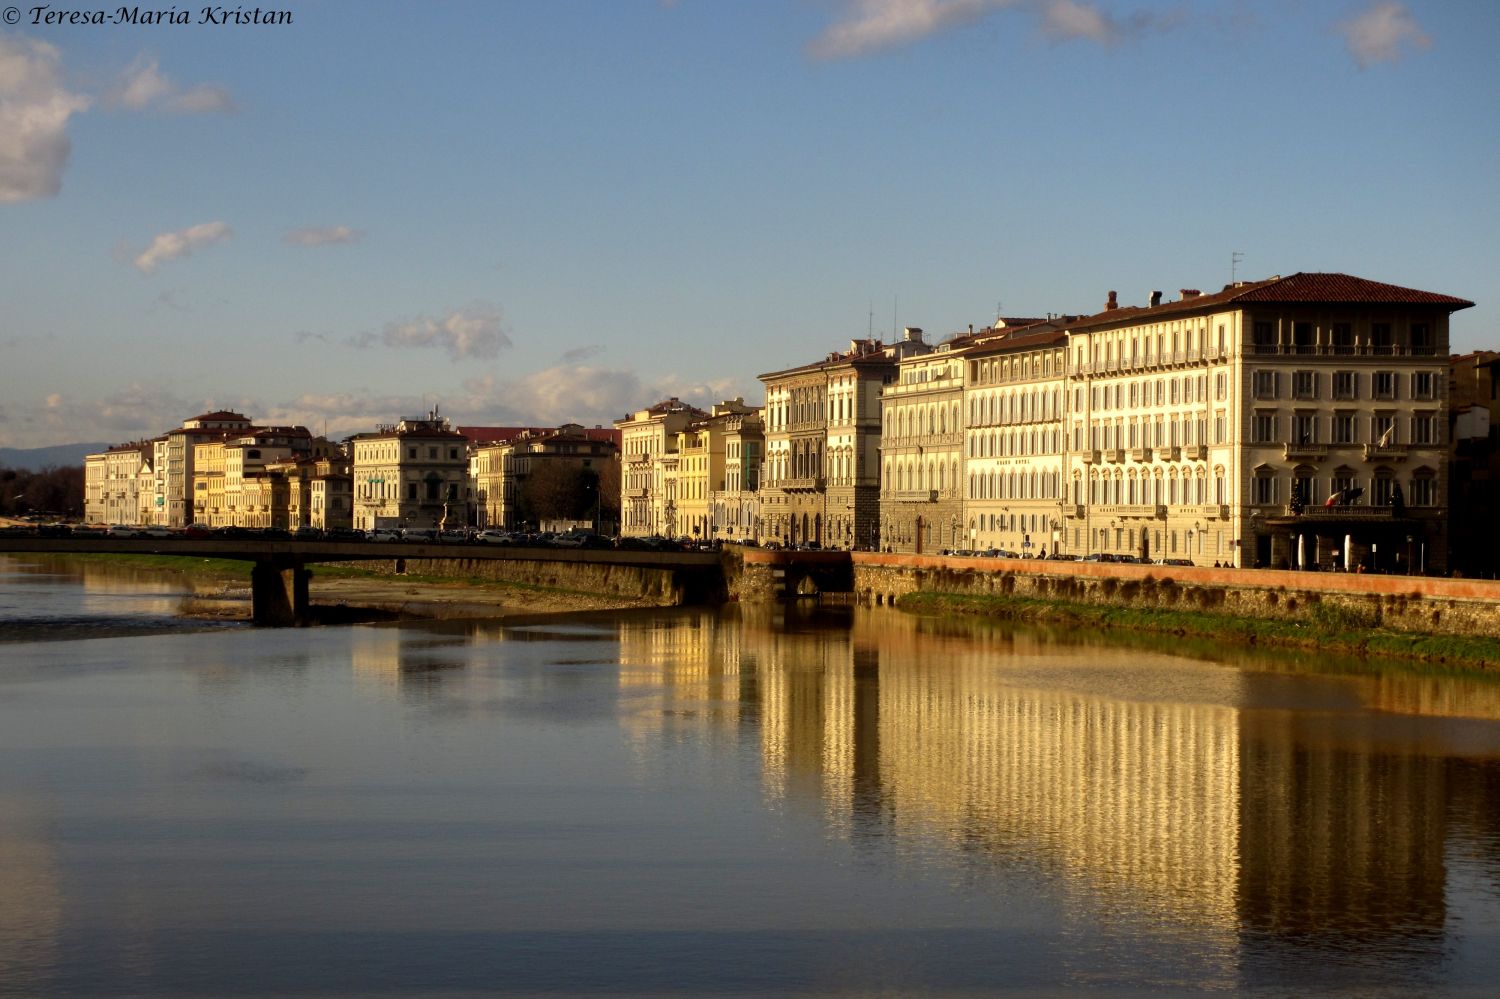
(1234, 265)
(870, 332)
(895, 305)
(999, 312)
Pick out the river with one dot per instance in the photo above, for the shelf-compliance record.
(742, 802)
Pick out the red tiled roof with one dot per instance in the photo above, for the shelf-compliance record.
(504, 435)
(1304, 288)
(222, 414)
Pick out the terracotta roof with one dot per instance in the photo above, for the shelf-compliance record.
(504, 435)
(1306, 288)
(222, 414)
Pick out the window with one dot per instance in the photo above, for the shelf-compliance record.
(1263, 384)
(1263, 428)
(1263, 488)
(1423, 489)
(1221, 384)
(1385, 385)
(1264, 334)
(1304, 384)
(411, 490)
(1383, 429)
(1424, 429)
(1302, 338)
(1343, 338)
(1384, 484)
(1344, 385)
(1422, 342)
(1423, 385)
(1304, 428)
(1380, 338)
(1343, 481)
(1343, 428)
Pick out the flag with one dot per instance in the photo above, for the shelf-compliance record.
(1385, 438)
(1330, 501)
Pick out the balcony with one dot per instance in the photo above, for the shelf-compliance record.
(1140, 454)
(1116, 455)
(1389, 452)
(1308, 451)
(1212, 511)
(1089, 457)
(1151, 511)
(913, 495)
(807, 482)
(1076, 510)
(1195, 452)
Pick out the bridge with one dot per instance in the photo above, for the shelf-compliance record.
(279, 571)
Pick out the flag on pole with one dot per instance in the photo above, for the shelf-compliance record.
(1385, 438)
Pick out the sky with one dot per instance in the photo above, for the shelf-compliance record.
(546, 211)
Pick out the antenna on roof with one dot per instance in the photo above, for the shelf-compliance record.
(999, 312)
(895, 305)
(870, 331)
(1234, 265)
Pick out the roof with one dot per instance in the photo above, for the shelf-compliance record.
(221, 414)
(504, 435)
(1300, 288)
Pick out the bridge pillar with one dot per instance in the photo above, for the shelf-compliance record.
(278, 595)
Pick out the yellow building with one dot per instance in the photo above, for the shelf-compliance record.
(1276, 421)
(413, 473)
(648, 473)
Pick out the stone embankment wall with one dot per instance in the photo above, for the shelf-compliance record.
(1403, 603)
(658, 587)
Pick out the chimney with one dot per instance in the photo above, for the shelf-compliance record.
(1155, 299)
(913, 334)
(1112, 304)
(971, 329)
(1190, 293)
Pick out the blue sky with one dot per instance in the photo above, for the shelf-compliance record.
(533, 212)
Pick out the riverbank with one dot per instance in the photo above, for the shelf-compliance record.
(1330, 629)
(219, 590)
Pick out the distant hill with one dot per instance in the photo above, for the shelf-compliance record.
(34, 459)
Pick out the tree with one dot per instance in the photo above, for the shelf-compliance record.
(557, 490)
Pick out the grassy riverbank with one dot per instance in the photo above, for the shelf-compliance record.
(1331, 630)
(333, 585)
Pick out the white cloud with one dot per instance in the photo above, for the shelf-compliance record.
(171, 245)
(475, 332)
(1064, 20)
(313, 236)
(1378, 34)
(130, 413)
(868, 26)
(34, 112)
(872, 25)
(144, 86)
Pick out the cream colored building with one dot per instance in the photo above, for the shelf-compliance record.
(821, 480)
(736, 502)
(179, 489)
(704, 501)
(499, 470)
(921, 452)
(1297, 419)
(648, 473)
(413, 473)
(1015, 389)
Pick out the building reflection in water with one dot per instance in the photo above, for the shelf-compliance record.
(31, 903)
(1254, 804)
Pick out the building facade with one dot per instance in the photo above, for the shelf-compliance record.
(500, 470)
(921, 453)
(411, 474)
(648, 472)
(821, 480)
(1284, 422)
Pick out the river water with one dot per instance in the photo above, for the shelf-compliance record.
(772, 802)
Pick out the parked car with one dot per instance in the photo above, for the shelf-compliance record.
(384, 534)
(122, 531)
(454, 537)
(156, 531)
(493, 537)
(419, 534)
(344, 534)
(307, 532)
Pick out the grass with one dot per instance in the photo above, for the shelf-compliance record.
(236, 569)
(1334, 629)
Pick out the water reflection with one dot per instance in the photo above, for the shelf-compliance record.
(1259, 806)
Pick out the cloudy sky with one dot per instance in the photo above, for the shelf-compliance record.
(544, 210)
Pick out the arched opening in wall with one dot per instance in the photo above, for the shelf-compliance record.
(806, 587)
